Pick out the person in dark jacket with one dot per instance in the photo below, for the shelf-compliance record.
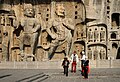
(65, 65)
(86, 68)
(82, 62)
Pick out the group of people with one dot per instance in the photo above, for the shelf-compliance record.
(74, 61)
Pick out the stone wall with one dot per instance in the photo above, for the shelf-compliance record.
(57, 64)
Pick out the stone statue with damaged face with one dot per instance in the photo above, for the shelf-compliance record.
(62, 29)
(31, 29)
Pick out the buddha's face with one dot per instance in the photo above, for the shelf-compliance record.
(29, 12)
(60, 10)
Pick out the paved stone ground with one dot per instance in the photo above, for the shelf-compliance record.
(56, 75)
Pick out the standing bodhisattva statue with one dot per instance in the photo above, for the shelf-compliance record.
(61, 32)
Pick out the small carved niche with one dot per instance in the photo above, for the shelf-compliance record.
(115, 19)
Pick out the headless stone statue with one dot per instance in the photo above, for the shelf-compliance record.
(61, 29)
(96, 35)
(89, 53)
(102, 35)
(90, 36)
(95, 54)
(102, 54)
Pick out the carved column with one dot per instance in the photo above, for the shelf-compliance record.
(52, 8)
(6, 38)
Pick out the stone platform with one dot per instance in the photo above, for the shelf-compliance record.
(56, 75)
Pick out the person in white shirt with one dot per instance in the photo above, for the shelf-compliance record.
(83, 56)
(74, 60)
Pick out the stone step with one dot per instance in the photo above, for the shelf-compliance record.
(34, 78)
(40, 79)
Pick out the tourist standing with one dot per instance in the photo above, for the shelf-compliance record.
(82, 61)
(86, 68)
(74, 60)
(65, 65)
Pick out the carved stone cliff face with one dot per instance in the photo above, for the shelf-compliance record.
(61, 26)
